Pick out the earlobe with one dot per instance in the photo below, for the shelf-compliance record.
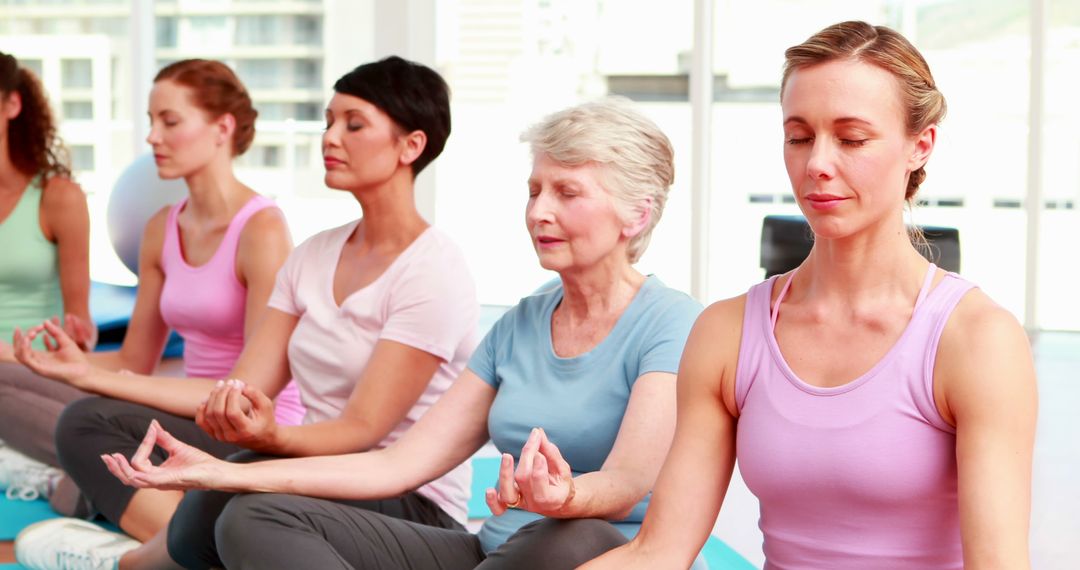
(641, 221)
(415, 143)
(924, 146)
(13, 105)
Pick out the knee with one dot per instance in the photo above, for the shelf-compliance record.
(239, 528)
(80, 417)
(190, 535)
(575, 540)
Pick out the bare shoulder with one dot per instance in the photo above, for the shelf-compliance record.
(983, 358)
(268, 223)
(154, 231)
(712, 351)
(61, 193)
(979, 327)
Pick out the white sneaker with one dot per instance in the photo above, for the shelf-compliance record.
(26, 478)
(70, 544)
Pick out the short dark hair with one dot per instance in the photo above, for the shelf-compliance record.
(415, 96)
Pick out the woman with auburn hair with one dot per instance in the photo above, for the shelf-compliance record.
(44, 274)
(206, 268)
(373, 320)
(882, 410)
(575, 385)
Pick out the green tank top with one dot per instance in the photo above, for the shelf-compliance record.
(29, 267)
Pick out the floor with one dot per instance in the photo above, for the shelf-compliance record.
(1055, 516)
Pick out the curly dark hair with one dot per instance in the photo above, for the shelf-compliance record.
(39, 150)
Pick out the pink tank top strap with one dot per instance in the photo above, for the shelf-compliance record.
(236, 226)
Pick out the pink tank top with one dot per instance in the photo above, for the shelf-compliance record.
(205, 305)
(861, 475)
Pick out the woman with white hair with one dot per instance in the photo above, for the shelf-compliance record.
(575, 386)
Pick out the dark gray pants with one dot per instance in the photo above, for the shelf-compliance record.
(29, 406)
(91, 427)
(288, 531)
(193, 543)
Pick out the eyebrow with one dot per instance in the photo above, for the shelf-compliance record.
(841, 121)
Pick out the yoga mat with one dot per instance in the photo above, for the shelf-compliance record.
(16, 515)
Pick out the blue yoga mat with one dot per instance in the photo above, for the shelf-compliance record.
(17, 515)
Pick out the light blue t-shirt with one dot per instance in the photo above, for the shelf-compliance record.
(579, 401)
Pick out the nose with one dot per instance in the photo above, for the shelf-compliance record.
(539, 209)
(331, 137)
(154, 136)
(820, 164)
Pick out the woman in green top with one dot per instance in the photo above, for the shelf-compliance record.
(44, 264)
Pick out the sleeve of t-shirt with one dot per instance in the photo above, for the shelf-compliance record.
(663, 347)
(283, 297)
(482, 362)
(433, 304)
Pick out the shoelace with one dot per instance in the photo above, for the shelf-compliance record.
(30, 484)
(79, 561)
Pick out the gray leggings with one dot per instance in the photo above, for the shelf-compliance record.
(288, 531)
(29, 406)
(193, 543)
(91, 427)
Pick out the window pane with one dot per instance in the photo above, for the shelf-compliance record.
(78, 110)
(258, 30)
(261, 73)
(76, 74)
(166, 31)
(82, 157)
(307, 74)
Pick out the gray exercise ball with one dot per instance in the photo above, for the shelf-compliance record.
(138, 194)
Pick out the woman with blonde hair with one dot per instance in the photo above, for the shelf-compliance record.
(575, 386)
(882, 410)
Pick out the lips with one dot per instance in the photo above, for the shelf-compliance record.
(823, 201)
(330, 162)
(547, 241)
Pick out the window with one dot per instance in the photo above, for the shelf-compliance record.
(260, 73)
(258, 30)
(166, 31)
(308, 112)
(76, 74)
(82, 157)
(34, 65)
(307, 30)
(307, 74)
(78, 110)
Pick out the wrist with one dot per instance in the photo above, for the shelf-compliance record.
(570, 494)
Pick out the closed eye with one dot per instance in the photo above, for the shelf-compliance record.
(797, 140)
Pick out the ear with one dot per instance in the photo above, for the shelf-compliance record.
(641, 219)
(922, 147)
(414, 144)
(13, 105)
(226, 125)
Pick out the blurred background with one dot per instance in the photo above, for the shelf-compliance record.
(509, 62)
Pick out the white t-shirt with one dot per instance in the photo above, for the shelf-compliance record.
(425, 299)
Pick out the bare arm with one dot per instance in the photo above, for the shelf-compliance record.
(986, 379)
(393, 380)
(147, 332)
(697, 471)
(263, 363)
(542, 481)
(264, 245)
(447, 435)
(66, 222)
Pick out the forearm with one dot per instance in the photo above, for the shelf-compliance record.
(370, 475)
(178, 396)
(333, 437)
(605, 494)
(114, 361)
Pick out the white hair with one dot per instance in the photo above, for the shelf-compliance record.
(636, 156)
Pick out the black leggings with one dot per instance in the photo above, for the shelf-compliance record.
(287, 531)
(91, 427)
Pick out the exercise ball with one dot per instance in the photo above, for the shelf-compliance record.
(138, 194)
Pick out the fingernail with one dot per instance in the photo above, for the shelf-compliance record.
(219, 384)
